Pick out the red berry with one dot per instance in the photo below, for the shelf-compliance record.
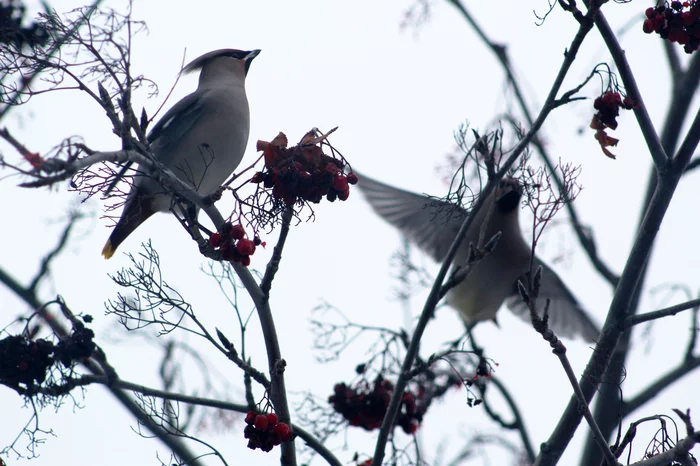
(673, 35)
(245, 260)
(215, 240)
(258, 177)
(282, 429)
(245, 246)
(343, 195)
(272, 418)
(352, 178)
(412, 428)
(340, 182)
(331, 168)
(650, 12)
(611, 99)
(648, 26)
(687, 18)
(659, 23)
(250, 417)
(237, 231)
(260, 422)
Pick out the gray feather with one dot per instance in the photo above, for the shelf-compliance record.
(430, 223)
(566, 316)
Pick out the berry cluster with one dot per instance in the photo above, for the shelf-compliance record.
(264, 431)
(679, 22)
(233, 244)
(365, 407)
(608, 109)
(12, 14)
(25, 361)
(303, 172)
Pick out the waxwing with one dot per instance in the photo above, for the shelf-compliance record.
(201, 139)
(433, 224)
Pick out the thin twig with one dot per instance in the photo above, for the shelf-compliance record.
(585, 238)
(631, 321)
(273, 265)
(432, 300)
(175, 444)
(518, 421)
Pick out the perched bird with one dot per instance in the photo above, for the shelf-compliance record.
(432, 225)
(202, 139)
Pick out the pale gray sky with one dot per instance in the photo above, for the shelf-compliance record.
(397, 97)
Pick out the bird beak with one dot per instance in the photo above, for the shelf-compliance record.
(505, 187)
(249, 59)
(508, 194)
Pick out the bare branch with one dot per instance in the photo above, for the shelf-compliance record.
(631, 321)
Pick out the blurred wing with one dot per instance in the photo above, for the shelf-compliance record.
(566, 316)
(430, 223)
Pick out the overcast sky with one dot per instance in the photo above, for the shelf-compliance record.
(397, 96)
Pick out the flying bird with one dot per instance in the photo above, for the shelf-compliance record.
(201, 139)
(432, 225)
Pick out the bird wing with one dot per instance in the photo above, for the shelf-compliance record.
(168, 130)
(430, 223)
(177, 121)
(566, 316)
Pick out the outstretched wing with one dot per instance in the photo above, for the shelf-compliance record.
(430, 223)
(566, 316)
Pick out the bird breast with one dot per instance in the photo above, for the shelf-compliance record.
(215, 146)
(481, 294)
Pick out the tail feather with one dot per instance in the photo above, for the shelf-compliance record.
(137, 210)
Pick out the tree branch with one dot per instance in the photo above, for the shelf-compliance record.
(585, 237)
(633, 320)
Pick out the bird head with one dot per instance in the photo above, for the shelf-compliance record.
(508, 194)
(222, 61)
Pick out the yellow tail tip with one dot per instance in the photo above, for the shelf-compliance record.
(108, 251)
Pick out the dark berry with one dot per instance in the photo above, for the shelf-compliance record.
(260, 422)
(282, 430)
(237, 231)
(250, 417)
(215, 240)
(246, 247)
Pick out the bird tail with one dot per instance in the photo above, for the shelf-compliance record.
(137, 210)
